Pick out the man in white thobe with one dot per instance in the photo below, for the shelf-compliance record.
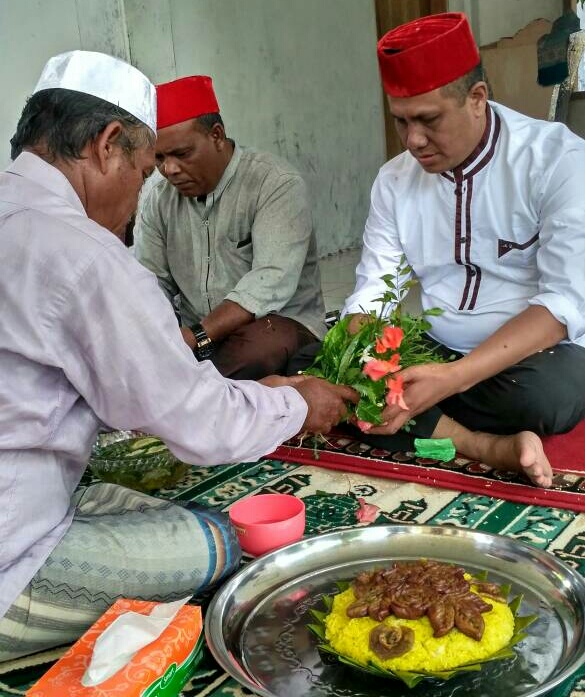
(488, 208)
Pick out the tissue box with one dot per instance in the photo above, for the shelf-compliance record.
(160, 668)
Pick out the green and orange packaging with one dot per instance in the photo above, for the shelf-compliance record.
(159, 669)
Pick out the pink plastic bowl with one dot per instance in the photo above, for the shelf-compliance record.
(268, 521)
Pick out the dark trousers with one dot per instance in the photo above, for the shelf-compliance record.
(544, 393)
(261, 348)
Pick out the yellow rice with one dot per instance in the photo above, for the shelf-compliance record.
(350, 637)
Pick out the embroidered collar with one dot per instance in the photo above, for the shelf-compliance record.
(483, 152)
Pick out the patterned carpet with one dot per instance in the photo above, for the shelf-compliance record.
(341, 451)
(331, 502)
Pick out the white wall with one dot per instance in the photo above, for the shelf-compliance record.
(581, 75)
(31, 31)
(26, 45)
(299, 79)
(493, 19)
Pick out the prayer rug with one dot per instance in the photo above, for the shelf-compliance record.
(332, 501)
(567, 450)
(343, 452)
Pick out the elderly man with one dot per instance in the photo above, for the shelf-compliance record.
(87, 339)
(229, 232)
(487, 206)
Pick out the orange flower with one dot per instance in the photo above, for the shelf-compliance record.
(395, 392)
(376, 369)
(390, 339)
(380, 346)
(394, 362)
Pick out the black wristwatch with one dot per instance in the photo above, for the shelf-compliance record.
(204, 348)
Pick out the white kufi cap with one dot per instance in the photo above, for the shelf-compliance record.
(103, 76)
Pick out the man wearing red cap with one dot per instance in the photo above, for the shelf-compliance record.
(229, 232)
(488, 208)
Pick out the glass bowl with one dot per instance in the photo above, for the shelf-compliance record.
(135, 460)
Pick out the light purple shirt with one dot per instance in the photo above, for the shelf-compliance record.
(88, 338)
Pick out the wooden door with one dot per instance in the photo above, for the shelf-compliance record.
(390, 14)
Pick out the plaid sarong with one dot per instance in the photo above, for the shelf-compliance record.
(121, 543)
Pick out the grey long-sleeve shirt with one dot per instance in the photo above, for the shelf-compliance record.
(251, 241)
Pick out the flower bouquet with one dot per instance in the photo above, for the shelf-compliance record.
(370, 359)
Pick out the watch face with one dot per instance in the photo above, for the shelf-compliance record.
(204, 348)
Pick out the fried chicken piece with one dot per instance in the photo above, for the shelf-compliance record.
(409, 590)
(469, 621)
(492, 590)
(391, 641)
(442, 618)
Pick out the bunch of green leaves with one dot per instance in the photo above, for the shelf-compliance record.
(340, 359)
(412, 678)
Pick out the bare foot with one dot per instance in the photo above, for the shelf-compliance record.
(522, 452)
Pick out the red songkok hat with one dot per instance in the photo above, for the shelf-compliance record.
(184, 99)
(427, 53)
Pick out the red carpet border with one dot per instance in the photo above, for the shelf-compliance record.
(341, 452)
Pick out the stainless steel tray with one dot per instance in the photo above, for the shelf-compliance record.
(256, 624)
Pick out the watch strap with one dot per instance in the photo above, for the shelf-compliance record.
(204, 347)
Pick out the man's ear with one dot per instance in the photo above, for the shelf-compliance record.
(217, 135)
(478, 96)
(105, 145)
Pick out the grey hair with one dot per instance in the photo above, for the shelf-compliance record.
(64, 121)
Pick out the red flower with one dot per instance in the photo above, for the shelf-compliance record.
(364, 426)
(390, 339)
(395, 392)
(394, 362)
(376, 369)
(380, 346)
(367, 512)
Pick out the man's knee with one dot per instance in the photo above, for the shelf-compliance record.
(222, 545)
(547, 405)
(544, 393)
(260, 348)
(303, 358)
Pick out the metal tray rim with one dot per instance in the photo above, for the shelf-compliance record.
(237, 671)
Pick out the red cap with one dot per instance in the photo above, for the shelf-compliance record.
(427, 53)
(184, 99)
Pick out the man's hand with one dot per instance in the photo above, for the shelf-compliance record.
(327, 403)
(282, 381)
(424, 386)
(357, 321)
(189, 337)
(534, 329)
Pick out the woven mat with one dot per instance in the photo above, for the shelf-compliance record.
(345, 453)
(560, 531)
